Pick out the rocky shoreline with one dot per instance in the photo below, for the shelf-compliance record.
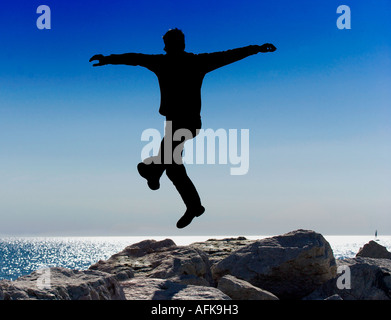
(298, 265)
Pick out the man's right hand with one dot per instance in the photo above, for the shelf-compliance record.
(267, 47)
(101, 58)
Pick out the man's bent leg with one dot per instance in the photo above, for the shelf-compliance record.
(152, 169)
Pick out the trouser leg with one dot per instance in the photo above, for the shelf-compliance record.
(155, 164)
(188, 192)
(176, 172)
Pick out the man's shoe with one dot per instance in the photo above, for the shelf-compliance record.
(146, 172)
(189, 215)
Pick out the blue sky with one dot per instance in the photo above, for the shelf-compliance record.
(318, 110)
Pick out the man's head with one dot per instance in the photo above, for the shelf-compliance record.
(174, 41)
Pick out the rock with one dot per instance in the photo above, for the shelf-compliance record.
(374, 250)
(290, 266)
(334, 297)
(63, 284)
(296, 265)
(159, 259)
(238, 289)
(219, 249)
(122, 266)
(370, 279)
(142, 288)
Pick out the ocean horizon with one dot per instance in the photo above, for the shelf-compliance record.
(22, 255)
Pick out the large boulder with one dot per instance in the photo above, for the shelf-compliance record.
(290, 266)
(374, 250)
(159, 259)
(218, 249)
(142, 288)
(358, 279)
(238, 289)
(62, 284)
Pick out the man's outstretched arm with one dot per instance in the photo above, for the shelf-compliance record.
(219, 59)
(131, 59)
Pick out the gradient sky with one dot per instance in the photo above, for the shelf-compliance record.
(318, 111)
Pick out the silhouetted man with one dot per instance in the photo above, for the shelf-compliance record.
(180, 76)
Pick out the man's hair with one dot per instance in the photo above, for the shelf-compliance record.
(174, 40)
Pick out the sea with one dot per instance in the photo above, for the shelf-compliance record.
(22, 255)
